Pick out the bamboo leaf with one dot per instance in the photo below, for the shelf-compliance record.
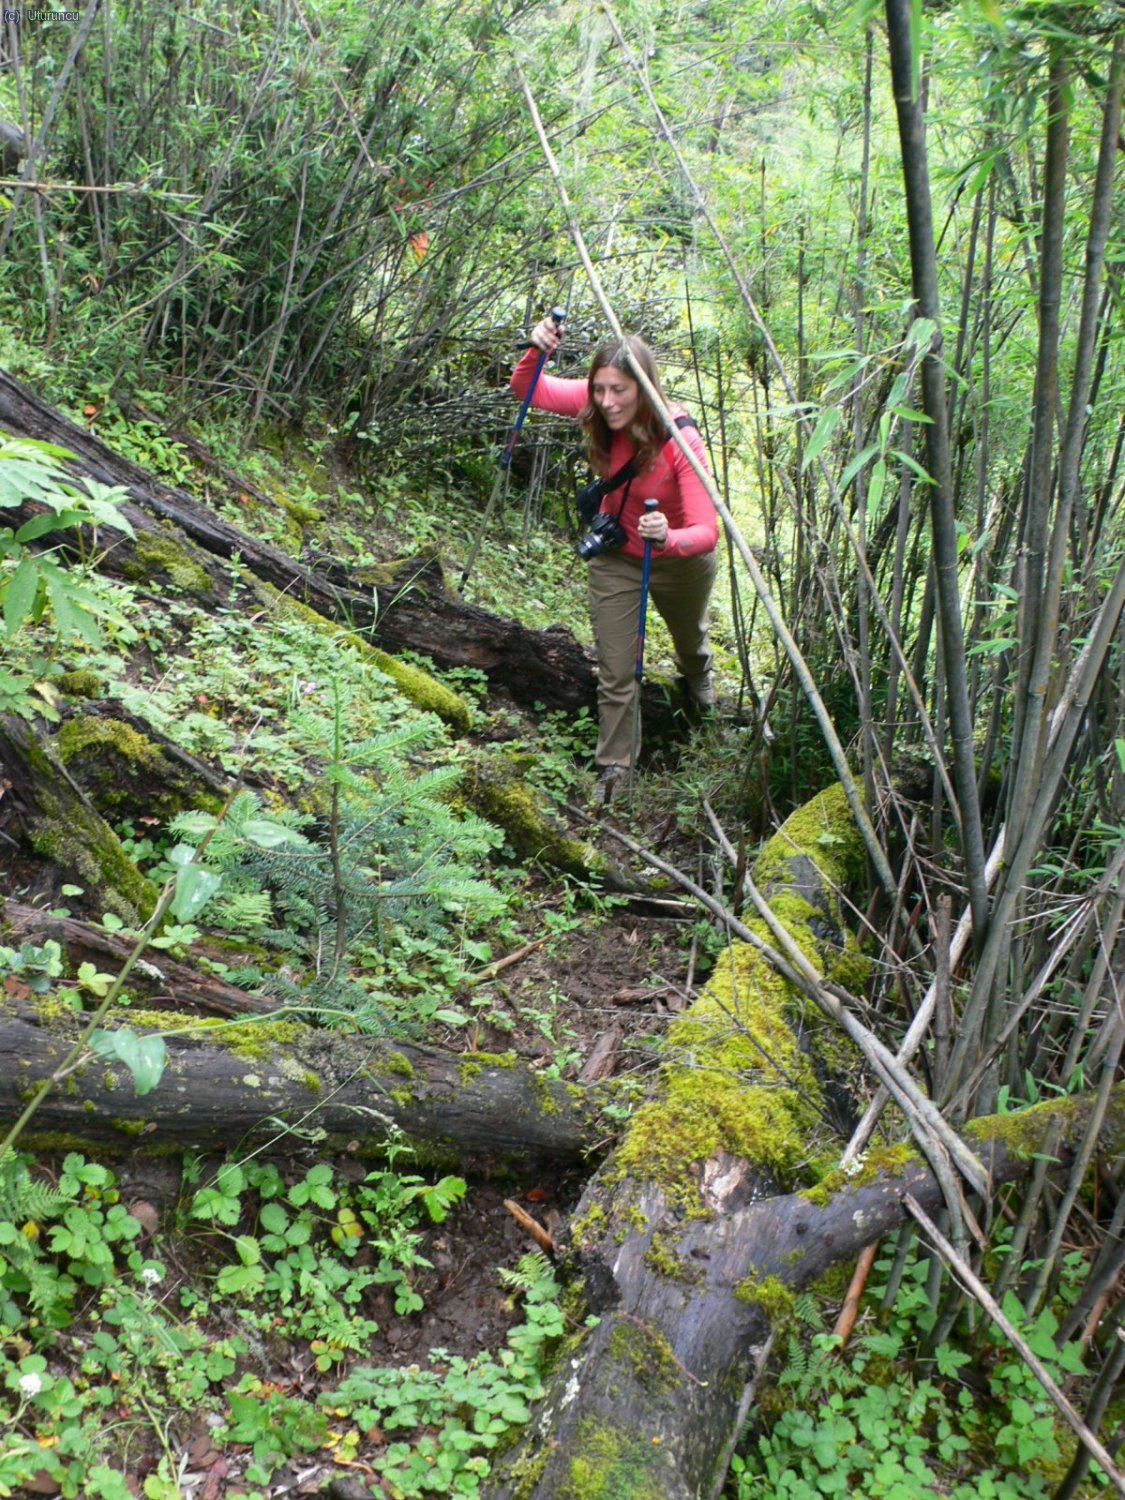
(857, 463)
(912, 464)
(829, 421)
(878, 481)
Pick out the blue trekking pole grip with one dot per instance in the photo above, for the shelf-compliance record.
(559, 315)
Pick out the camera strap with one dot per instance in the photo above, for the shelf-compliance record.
(628, 471)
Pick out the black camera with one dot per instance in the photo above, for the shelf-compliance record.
(606, 534)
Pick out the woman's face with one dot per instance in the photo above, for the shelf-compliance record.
(616, 395)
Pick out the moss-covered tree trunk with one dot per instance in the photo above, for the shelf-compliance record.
(687, 1250)
(260, 1077)
(649, 1404)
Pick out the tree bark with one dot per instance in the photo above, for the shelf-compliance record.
(157, 976)
(265, 1078)
(44, 809)
(646, 1408)
(687, 1253)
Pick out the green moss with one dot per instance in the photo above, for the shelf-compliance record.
(545, 1095)
(833, 1285)
(609, 1464)
(770, 1294)
(822, 830)
(251, 1040)
(648, 1354)
(396, 1063)
(889, 1161)
(159, 552)
(126, 1127)
(497, 793)
(118, 767)
(95, 736)
(591, 1224)
(524, 1475)
(850, 968)
(661, 1258)
(1027, 1131)
(739, 1082)
(83, 844)
(81, 684)
(425, 691)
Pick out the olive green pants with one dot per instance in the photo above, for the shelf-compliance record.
(679, 588)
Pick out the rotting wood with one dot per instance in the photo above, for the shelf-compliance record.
(653, 1393)
(270, 1079)
(157, 976)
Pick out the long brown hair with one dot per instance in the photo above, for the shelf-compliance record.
(647, 429)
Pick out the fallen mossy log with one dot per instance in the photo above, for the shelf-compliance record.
(266, 1078)
(689, 1243)
(649, 1405)
(44, 810)
(405, 606)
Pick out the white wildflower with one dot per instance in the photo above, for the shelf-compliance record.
(152, 1276)
(30, 1385)
(855, 1166)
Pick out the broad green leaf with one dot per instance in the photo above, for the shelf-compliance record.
(22, 589)
(195, 885)
(269, 835)
(143, 1056)
(249, 1251)
(148, 1069)
(829, 420)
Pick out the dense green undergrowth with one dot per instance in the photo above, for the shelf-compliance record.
(893, 1417)
(115, 1342)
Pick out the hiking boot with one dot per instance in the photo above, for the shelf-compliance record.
(697, 697)
(610, 779)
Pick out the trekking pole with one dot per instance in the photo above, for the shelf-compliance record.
(559, 315)
(639, 669)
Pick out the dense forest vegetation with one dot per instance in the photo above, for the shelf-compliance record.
(313, 951)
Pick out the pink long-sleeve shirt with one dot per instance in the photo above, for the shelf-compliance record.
(693, 527)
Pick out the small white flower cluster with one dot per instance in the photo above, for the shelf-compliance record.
(854, 1167)
(30, 1385)
(152, 1276)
